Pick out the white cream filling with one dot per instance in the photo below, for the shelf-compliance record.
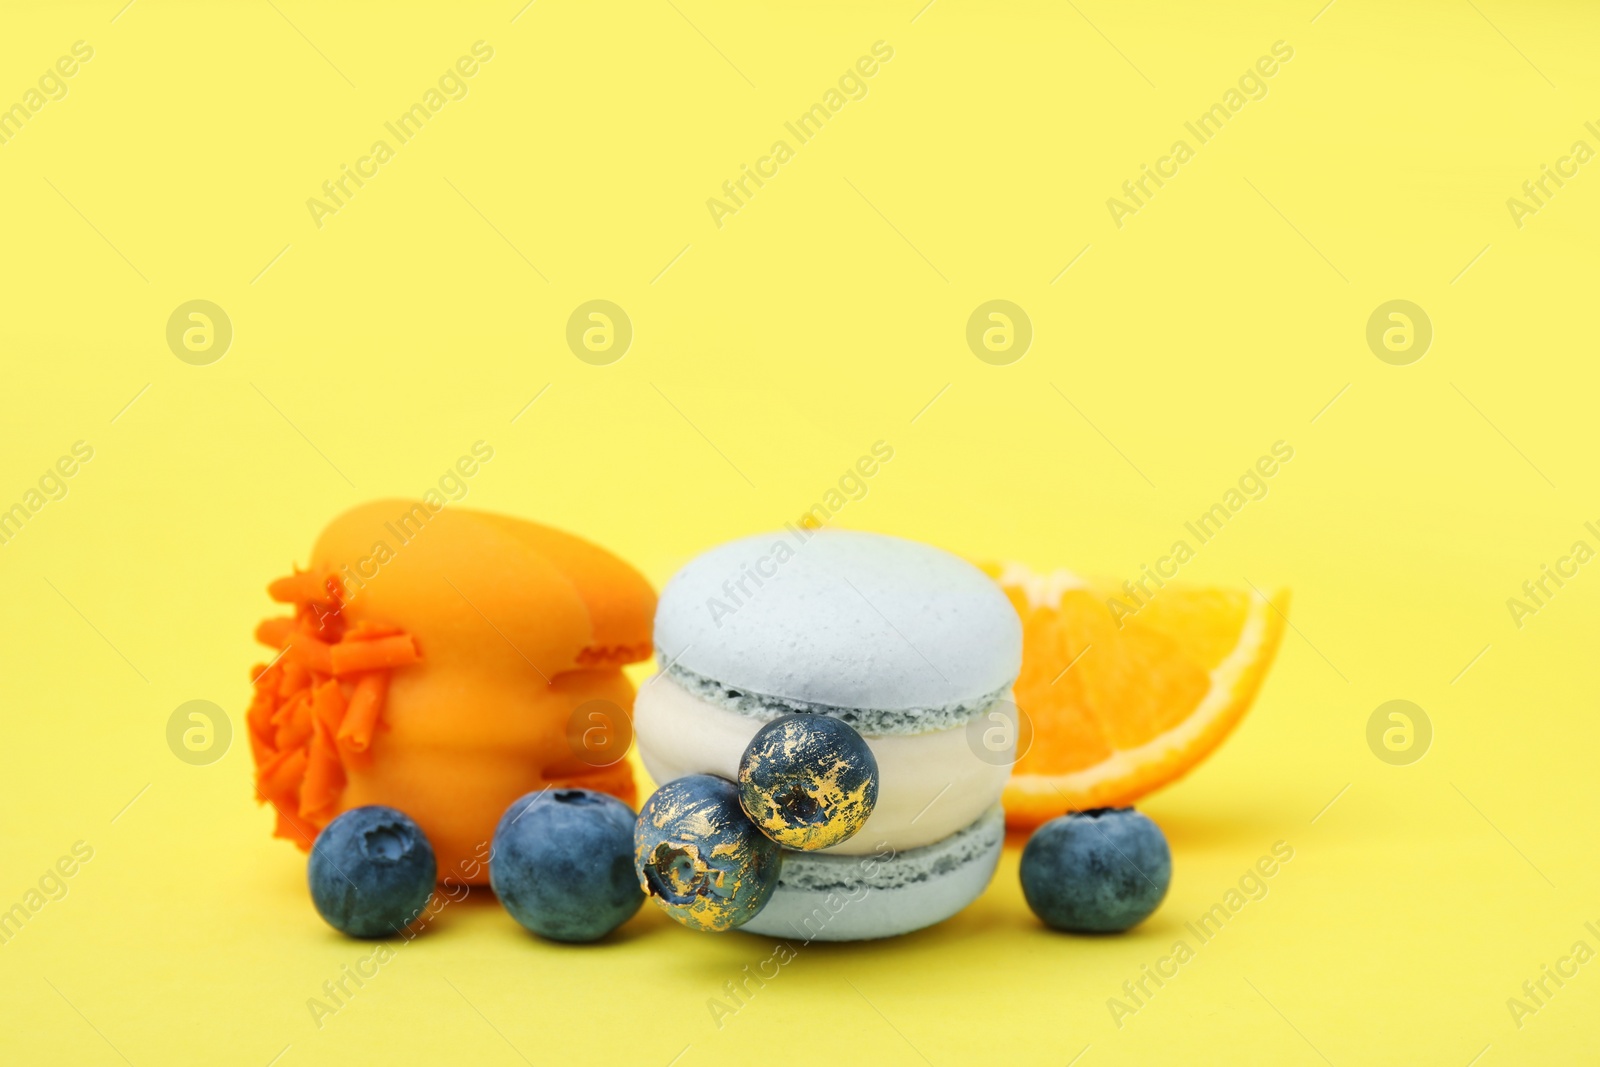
(929, 785)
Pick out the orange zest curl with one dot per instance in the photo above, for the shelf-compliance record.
(319, 702)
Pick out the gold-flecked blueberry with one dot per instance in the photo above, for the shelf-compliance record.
(808, 781)
(700, 858)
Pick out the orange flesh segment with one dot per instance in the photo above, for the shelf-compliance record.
(1120, 710)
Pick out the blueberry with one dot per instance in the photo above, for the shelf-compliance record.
(700, 858)
(808, 781)
(562, 864)
(1097, 871)
(371, 872)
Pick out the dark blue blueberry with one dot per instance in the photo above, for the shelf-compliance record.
(808, 781)
(1099, 871)
(700, 858)
(371, 872)
(562, 864)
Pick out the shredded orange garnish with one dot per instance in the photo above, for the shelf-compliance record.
(361, 717)
(319, 702)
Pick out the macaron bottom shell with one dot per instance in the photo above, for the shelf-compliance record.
(825, 896)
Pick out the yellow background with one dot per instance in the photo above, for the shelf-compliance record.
(823, 316)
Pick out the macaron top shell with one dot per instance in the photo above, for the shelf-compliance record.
(839, 621)
(472, 586)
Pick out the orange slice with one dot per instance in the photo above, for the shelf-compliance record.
(1128, 691)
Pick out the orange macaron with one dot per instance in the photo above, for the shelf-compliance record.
(445, 662)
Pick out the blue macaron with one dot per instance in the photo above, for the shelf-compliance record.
(771, 638)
